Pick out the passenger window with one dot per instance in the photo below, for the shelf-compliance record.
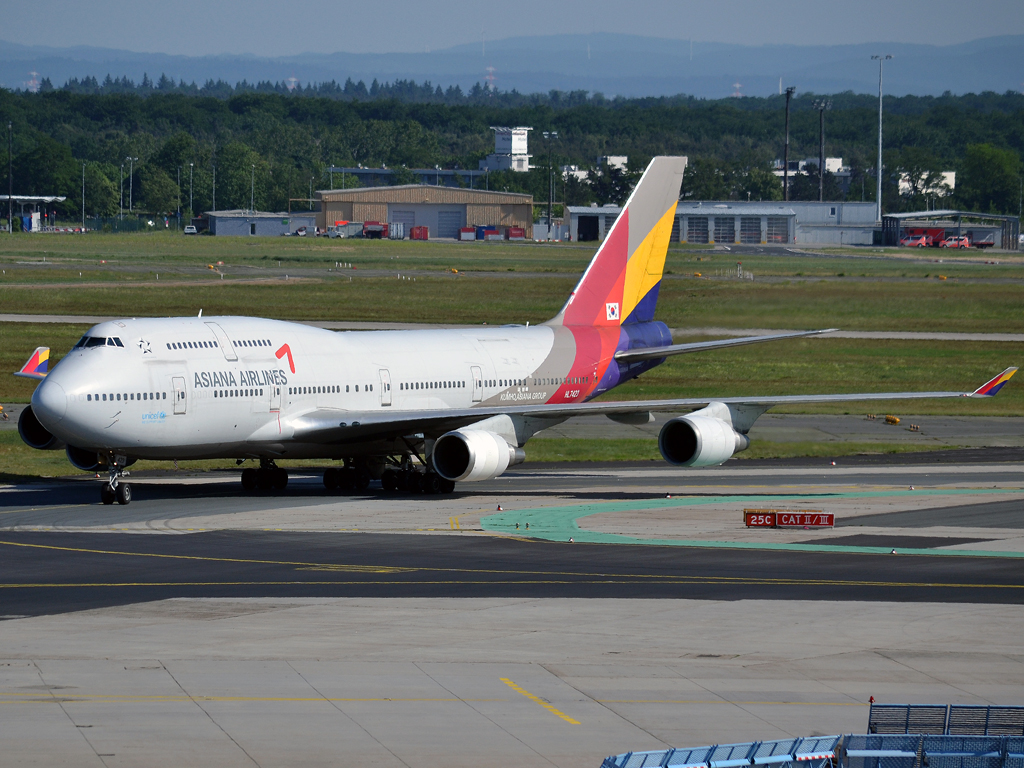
(346, 387)
(88, 397)
(357, 387)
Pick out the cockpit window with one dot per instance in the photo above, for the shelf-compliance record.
(99, 341)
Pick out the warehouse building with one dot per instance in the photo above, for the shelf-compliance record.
(772, 223)
(443, 210)
(256, 223)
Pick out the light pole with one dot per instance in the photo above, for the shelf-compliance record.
(179, 197)
(213, 201)
(785, 155)
(120, 202)
(131, 179)
(311, 192)
(10, 178)
(83, 196)
(549, 137)
(252, 190)
(821, 105)
(191, 168)
(878, 170)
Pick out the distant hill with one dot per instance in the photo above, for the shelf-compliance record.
(623, 65)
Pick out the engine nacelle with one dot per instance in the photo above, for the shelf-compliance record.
(85, 459)
(34, 434)
(699, 441)
(473, 454)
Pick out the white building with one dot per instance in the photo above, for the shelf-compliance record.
(510, 150)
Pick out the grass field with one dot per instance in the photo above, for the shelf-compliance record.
(60, 257)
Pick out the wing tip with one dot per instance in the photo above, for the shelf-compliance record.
(991, 387)
(37, 365)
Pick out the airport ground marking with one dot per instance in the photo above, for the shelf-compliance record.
(453, 522)
(539, 700)
(560, 523)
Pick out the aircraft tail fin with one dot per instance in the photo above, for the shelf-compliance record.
(621, 284)
(37, 365)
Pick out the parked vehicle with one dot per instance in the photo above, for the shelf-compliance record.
(375, 230)
(988, 242)
(916, 241)
(956, 242)
(190, 230)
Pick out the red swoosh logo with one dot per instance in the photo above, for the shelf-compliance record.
(286, 350)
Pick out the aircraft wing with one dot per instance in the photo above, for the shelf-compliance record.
(337, 426)
(653, 353)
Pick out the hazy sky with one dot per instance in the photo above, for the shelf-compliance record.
(278, 28)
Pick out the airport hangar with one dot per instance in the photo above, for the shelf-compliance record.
(443, 210)
(740, 222)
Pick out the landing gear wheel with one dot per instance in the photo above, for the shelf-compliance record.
(447, 486)
(107, 495)
(249, 479)
(279, 478)
(346, 479)
(124, 494)
(362, 479)
(389, 481)
(413, 482)
(263, 478)
(431, 483)
(331, 479)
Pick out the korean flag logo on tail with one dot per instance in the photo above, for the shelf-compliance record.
(612, 310)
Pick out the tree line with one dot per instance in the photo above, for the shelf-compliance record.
(275, 146)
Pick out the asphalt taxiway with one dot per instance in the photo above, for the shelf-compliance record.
(202, 626)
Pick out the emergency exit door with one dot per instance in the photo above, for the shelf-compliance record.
(385, 386)
(178, 384)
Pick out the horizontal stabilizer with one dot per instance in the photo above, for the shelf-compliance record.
(653, 353)
(37, 366)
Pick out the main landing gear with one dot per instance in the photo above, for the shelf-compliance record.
(409, 481)
(115, 490)
(268, 477)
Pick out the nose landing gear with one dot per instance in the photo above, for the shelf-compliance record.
(115, 490)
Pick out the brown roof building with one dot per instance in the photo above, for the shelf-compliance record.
(443, 210)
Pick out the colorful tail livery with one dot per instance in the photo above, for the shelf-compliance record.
(990, 388)
(37, 365)
(621, 284)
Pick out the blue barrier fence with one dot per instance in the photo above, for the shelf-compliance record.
(947, 719)
(852, 751)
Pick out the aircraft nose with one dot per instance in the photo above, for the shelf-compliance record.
(49, 402)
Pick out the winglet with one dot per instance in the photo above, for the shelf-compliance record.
(989, 388)
(37, 365)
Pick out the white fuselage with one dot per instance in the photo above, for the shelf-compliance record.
(232, 386)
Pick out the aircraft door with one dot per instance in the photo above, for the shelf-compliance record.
(275, 398)
(178, 385)
(478, 383)
(385, 386)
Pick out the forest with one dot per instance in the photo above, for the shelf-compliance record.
(173, 146)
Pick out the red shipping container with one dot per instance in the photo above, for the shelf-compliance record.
(419, 233)
(515, 233)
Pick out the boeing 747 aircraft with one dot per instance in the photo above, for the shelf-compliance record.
(418, 410)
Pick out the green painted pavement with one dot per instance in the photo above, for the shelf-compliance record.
(561, 523)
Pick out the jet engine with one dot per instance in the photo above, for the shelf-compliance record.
(34, 434)
(699, 441)
(473, 454)
(84, 459)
